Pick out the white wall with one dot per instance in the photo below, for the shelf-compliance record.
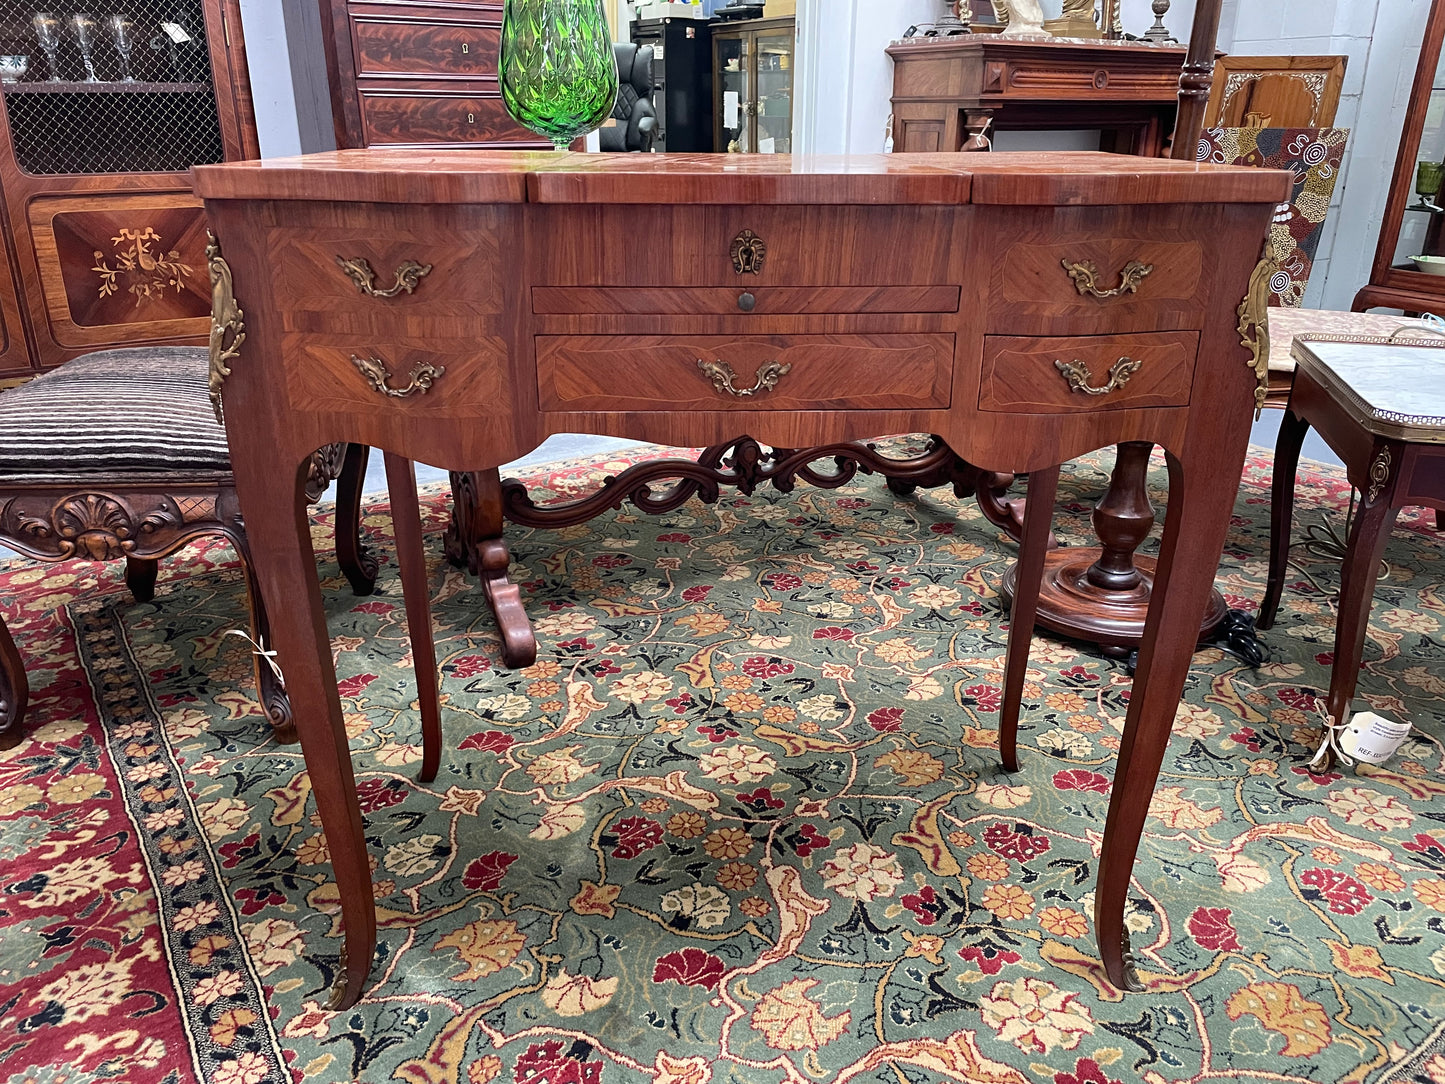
(844, 78)
(264, 24)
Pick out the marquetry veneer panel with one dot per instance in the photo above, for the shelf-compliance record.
(661, 372)
(1022, 374)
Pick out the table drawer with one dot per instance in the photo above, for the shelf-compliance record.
(731, 301)
(424, 119)
(462, 50)
(440, 380)
(1101, 372)
(747, 247)
(426, 275)
(1061, 272)
(794, 372)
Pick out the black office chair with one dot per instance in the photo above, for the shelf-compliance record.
(634, 112)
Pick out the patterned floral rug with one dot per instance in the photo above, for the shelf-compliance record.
(742, 822)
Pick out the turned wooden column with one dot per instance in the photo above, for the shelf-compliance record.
(1101, 593)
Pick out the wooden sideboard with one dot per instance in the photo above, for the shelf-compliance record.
(949, 92)
(104, 244)
(533, 317)
(418, 74)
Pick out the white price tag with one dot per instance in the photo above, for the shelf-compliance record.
(1372, 738)
(731, 106)
(176, 32)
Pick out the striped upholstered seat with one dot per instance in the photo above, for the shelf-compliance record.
(131, 414)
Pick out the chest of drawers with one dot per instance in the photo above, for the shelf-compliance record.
(418, 74)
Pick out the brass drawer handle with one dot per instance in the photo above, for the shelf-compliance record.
(407, 276)
(722, 376)
(419, 380)
(1078, 375)
(1086, 278)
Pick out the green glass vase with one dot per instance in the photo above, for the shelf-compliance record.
(558, 72)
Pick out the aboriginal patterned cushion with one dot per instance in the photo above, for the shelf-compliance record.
(1314, 156)
(122, 414)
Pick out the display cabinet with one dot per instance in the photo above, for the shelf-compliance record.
(753, 85)
(1415, 211)
(104, 114)
(418, 74)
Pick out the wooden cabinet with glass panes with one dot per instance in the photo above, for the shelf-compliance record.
(753, 85)
(105, 112)
(1409, 268)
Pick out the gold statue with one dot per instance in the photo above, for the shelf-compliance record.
(1076, 21)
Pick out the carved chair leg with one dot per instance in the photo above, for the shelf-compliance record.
(357, 564)
(416, 595)
(475, 539)
(140, 577)
(1292, 431)
(14, 690)
(271, 693)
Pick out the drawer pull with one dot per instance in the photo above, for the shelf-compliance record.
(1086, 278)
(722, 376)
(1078, 375)
(407, 276)
(419, 380)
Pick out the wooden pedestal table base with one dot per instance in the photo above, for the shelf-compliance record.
(481, 502)
(1101, 595)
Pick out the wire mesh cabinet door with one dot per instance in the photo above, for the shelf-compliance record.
(104, 113)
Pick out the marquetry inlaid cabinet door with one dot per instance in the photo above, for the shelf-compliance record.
(108, 263)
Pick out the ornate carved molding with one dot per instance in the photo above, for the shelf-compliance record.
(97, 525)
(1379, 474)
(323, 466)
(746, 465)
(1254, 326)
(228, 326)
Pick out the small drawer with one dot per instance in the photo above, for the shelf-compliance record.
(730, 301)
(429, 379)
(461, 50)
(1098, 284)
(433, 276)
(794, 372)
(416, 119)
(1101, 372)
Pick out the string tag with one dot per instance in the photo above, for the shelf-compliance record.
(261, 651)
(1363, 736)
(1372, 738)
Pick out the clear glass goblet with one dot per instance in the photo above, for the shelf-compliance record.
(83, 26)
(122, 34)
(47, 35)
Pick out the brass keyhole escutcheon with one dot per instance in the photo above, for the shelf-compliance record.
(466, 48)
(747, 302)
(471, 118)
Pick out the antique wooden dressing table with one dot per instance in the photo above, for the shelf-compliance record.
(458, 308)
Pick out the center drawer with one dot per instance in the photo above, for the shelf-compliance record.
(792, 372)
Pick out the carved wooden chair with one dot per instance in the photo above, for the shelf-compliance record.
(117, 455)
